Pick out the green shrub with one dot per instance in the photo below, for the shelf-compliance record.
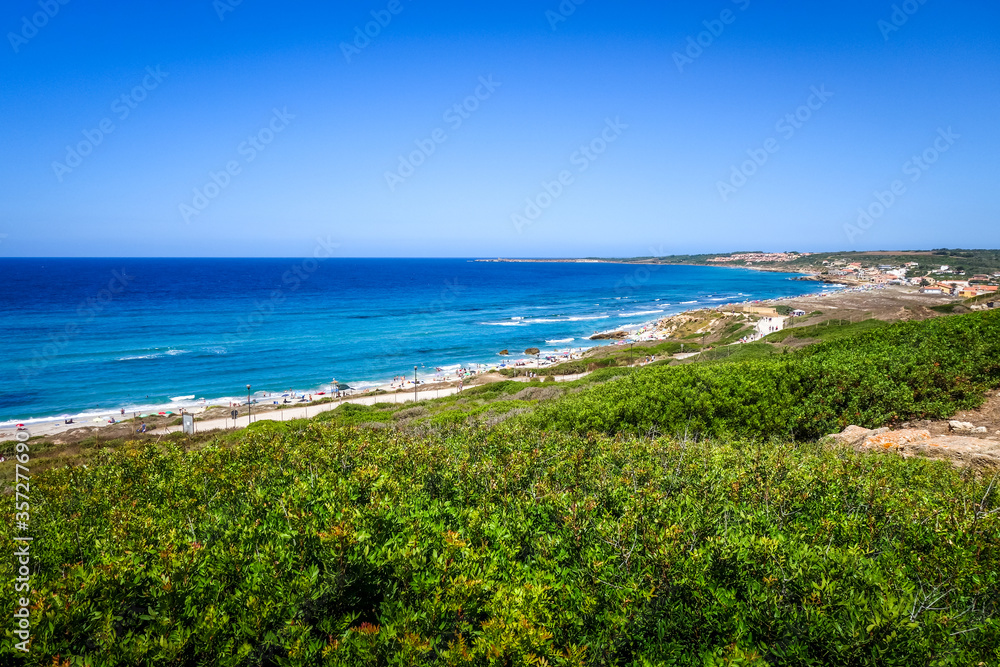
(889, 374)
(314, 544)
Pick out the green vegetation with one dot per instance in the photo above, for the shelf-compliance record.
(546, 524)
(825, 331)
(311, 544)
(889, 374)
(487, 402)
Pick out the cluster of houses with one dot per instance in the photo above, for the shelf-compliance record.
(937, 281)
(759, 257)
(884, 274)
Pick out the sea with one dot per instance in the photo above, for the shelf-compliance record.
(87, 337)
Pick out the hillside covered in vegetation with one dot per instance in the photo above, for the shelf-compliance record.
(666, 515)
(969, 261)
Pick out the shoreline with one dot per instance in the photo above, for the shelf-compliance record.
(449, 375)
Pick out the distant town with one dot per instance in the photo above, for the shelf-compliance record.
(944, 279)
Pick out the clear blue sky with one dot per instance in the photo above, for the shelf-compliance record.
(655, 187)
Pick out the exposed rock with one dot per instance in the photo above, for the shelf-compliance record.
(613, 335)
(890, 439)
(961, 427)
(962, 451)
(979, 453)
(855, 435)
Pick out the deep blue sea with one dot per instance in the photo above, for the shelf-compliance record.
(92, 335)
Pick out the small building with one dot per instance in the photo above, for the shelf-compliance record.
(798, 313)
(931, 290)
(976, 290)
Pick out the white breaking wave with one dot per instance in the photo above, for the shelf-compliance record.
(582, 318)
(561, 340)
(154, 355)
(182, 398)
(641, 312)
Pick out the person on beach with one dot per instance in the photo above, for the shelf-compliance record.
(142, 428)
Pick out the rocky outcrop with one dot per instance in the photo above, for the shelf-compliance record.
(965, 427)
(611, 335)
(963, 451)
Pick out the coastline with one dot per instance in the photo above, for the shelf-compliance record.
(447, 375)
(644, 261)
(806, 273)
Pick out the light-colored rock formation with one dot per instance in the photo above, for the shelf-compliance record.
(980, 453)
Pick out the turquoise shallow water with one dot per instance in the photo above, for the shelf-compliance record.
(90, 335)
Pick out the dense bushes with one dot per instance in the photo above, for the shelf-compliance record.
(308, 544)
(884, 376)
